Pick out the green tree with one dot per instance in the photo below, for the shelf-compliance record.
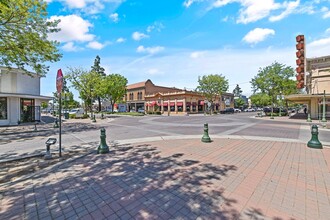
(24, 31)
(113, 88)
(260, 99)
(237, 91)
(274, 80)
(100, 70)
(212, 86)
(239, 102)
(86, 83)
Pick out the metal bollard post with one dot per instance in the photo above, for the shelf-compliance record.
(314, 142)
(103, 147)
(206, 138)
(94, 120)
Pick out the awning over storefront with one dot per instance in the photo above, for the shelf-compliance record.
(172, 103)
(188, 103)
(201, 102)
(26, 96)
(165, 104)
(179, 104)
(194, 104)
(302, 98)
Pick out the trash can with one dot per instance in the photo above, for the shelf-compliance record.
(66, 115)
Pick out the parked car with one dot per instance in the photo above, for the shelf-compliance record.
(249, 110)
(237, 110)
(227, 111)
(141, 110)
(76, 111)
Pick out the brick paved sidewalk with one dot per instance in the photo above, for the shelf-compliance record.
(180, 179)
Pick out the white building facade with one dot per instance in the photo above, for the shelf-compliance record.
(20, 99)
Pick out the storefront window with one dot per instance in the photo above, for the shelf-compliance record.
(188, 108)
(172, 108)
(3, 108)
(180, 109)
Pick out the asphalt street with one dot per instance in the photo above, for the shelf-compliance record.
(24, 139)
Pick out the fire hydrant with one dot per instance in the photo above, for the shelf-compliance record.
(103, 147)
(314, 142)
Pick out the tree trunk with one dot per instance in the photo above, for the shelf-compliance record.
(99, 101)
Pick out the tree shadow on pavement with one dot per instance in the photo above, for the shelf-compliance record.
(130, 182)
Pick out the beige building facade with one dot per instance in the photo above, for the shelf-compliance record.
(317, 86)
(145, 96)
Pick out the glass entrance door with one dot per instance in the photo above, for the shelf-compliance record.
(27, 110)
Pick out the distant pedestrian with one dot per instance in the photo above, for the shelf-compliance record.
(305, 111)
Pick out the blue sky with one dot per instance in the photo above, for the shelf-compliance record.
(172, 42)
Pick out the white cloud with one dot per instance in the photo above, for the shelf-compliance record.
(197, 54)
(138, 36)
(327, 31)
(220, 3)
(320, 47)
(96, 45)
(158, 26)
(120, 40)
(76, 3)
(326, 15)
(114, 17)
(89, 6)
(187, 3)
(149, 50)
(70, 47)
(290, 7)
(73, 28)
(255, 10)
(257, 35)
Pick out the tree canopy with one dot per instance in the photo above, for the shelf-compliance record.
(113, 88)
(24, 29)
(86, 83)
(212, 86)
(237, 91)
(274, 80)
(100, 70)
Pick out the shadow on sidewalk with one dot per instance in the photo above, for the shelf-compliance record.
(132, 182)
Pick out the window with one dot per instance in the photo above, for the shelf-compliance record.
(3, 108)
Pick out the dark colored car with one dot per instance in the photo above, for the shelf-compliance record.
(275, 110)
(227, 111)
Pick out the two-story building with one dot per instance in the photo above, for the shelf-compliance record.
(20, 98)
(145, 96)
(317, 87)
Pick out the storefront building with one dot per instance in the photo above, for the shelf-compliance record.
(172, 101)
(317, 88)
(20, 98)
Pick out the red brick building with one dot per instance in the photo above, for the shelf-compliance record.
(170, 100)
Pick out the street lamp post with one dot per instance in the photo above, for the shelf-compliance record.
(280, 114)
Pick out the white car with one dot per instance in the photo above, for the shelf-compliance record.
(237, 110)
(249, 110)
